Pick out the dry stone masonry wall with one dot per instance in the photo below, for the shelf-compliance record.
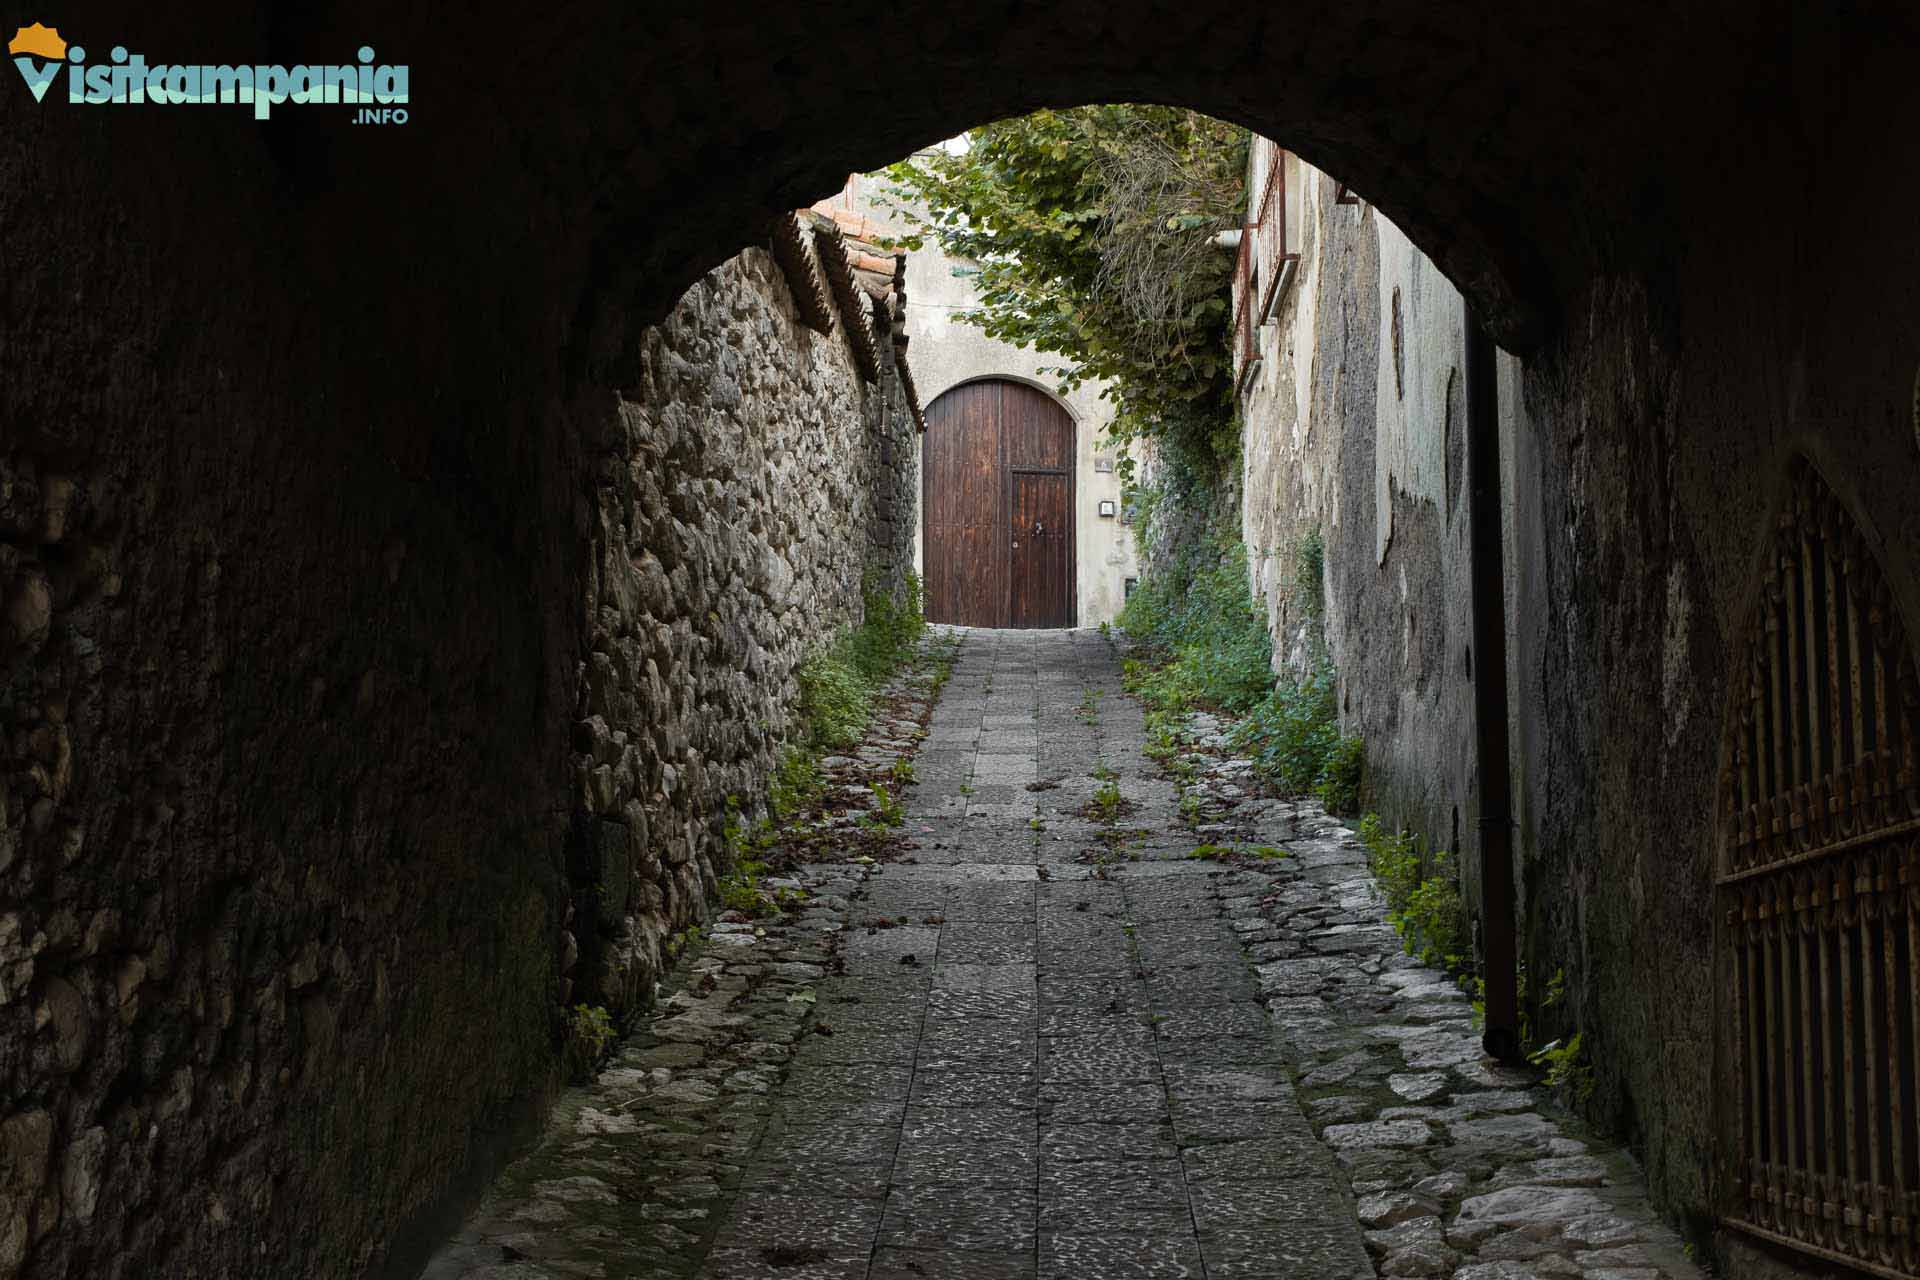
(300, 862)
(753, 489)
(315, 615)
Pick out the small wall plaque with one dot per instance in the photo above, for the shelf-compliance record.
(1107, 507)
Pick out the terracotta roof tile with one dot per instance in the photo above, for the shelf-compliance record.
(831, 246)
(793, 250)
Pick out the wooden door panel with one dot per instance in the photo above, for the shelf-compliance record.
(1037, 431)
(965, 569)
(1041, 540)
(973, 581)
(998, 459)
(967, 456)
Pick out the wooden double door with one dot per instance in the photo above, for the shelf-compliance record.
(997, 508)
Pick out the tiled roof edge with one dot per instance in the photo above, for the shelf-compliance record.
(802, 270)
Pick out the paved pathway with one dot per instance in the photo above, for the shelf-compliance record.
(1053, 1046)
(1043, 1072)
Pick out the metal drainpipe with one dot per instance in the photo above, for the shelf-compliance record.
(1502, 1036)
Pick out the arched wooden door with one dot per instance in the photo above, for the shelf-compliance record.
(997, 508)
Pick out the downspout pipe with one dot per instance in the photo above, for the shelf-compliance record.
(1501, 1038)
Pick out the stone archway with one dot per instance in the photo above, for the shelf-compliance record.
(330, 399)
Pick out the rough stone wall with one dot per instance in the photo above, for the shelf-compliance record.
(1635, 539)
(314, 616)
(751, 487)
(300, 789)
(1343, 441)
(281, 748)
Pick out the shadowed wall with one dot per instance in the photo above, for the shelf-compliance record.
(295, 518)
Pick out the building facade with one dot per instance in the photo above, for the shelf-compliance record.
(1720, 893)
(982, 488)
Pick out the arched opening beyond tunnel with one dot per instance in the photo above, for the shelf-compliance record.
(367, 676)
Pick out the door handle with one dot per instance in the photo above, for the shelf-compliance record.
(1039, 530)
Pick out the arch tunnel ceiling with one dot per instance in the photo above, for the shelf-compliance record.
(1514, 143)
(582, 167)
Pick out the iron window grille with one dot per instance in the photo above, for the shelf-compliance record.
(1817, 898)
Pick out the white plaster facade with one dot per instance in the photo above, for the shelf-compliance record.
(1354, 427)
(944, 352)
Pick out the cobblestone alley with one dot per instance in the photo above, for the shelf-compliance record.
(1044, 1044)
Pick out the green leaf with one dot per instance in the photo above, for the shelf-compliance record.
(1077, 257)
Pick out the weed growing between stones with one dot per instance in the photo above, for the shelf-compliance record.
(741, 893)
(690, 936)
(1208, 646)
(941, 660)
(590, 1033)
(1205, 647)
(796, 782)
(1423, 896)
(1424, 906)
(835, 699)
(1108, 806)
(839, 683)
(841, 688)
(887, 809)
(1565, 1059)
(1293, 738)
(890, 629)
(1237, 855)
(1163, 746)
(845, 801)
(1567, 1068)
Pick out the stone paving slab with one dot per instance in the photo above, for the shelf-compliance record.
(1047, 1045)
(1459, 1167)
